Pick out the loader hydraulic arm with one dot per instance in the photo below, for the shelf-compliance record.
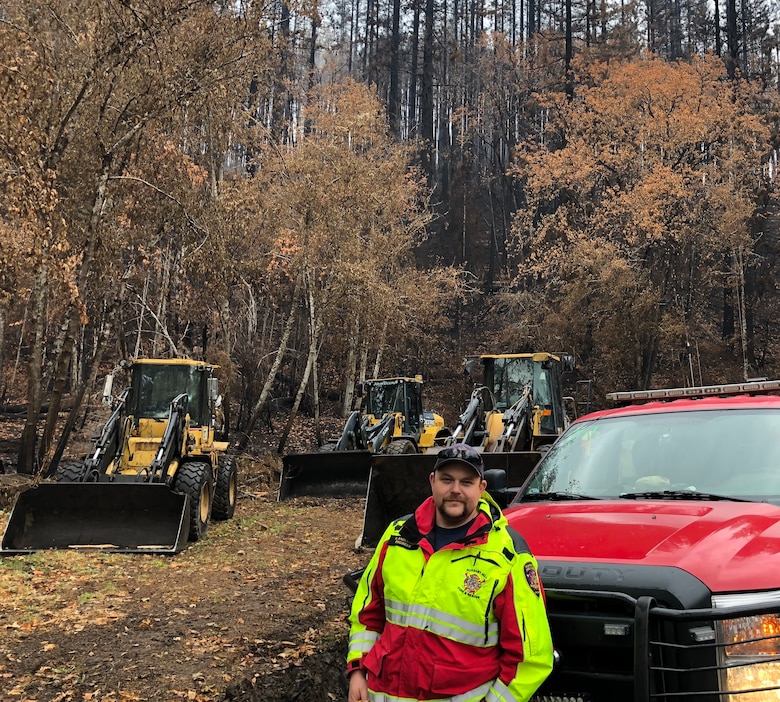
(354, 435)
(171, 441)
(109, 443)
(517, 423)
(358, 436)
(471, 420)
(379, 434)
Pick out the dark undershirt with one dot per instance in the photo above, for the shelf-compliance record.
(443, 537)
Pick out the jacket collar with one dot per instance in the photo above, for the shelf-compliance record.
(421, 523)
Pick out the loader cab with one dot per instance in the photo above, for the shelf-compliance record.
(396, 396)
(508, 375)
(155, 384)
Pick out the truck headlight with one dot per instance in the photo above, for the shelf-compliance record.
(749, 651)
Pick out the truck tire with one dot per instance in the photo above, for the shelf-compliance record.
(70, 472)
(400, 446)
(226, 491)
(194, 480)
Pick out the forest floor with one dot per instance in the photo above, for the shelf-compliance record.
(255, 611)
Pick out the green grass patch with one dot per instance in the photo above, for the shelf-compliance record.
(85, 597)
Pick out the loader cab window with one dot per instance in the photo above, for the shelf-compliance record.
(508, 378)
(542, 399)
(413, 416)
(548, 394)
(155, 386)
(385, 398)
(391, 397)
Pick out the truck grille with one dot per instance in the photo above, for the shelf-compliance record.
(615, 647)
(593, 635)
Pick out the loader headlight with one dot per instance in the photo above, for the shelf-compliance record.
(749, 651)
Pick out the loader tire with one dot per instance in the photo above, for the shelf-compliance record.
(226, 491)
(194, 480)
(400, 446)
(70, 472)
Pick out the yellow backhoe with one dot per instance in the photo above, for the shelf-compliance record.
(391, 421)
(153, 479)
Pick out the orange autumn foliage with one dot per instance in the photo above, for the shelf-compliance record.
(640, 188)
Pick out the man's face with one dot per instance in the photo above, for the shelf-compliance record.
(456, 490)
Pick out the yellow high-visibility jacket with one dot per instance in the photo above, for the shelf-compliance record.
(464, 623)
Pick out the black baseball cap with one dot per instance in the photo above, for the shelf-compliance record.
(461, 453)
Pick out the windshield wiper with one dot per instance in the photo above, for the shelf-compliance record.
(542, 496)
(678, 495)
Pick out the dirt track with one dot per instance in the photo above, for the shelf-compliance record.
(255, 611)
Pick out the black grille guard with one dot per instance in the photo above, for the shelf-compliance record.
(661, 666)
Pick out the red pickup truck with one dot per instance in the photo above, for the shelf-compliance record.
(656, 525)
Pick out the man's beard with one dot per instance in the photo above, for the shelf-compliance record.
(450, 517)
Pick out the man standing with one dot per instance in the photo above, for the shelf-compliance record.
(450, 607)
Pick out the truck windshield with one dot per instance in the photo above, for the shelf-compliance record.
(724, 453)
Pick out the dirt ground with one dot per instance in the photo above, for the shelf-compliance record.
(255, 611)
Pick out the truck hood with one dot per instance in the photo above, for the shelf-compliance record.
(728, 546)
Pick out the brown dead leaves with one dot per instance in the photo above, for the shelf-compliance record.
(256, 599)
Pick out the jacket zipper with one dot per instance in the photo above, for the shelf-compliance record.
(488, 608)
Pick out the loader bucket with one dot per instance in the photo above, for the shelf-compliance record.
(119, 517)
(325, 474)
(399, 483)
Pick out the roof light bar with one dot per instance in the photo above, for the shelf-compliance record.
(763, 386)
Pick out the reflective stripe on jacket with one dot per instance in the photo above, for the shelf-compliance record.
(463, 624)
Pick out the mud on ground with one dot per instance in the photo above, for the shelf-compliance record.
(255, 611)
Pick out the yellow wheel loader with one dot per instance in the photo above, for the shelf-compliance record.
(391, 421)
(515, 411)
(155, 476)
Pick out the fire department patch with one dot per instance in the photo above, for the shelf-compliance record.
(472, 582)
(533, 579)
